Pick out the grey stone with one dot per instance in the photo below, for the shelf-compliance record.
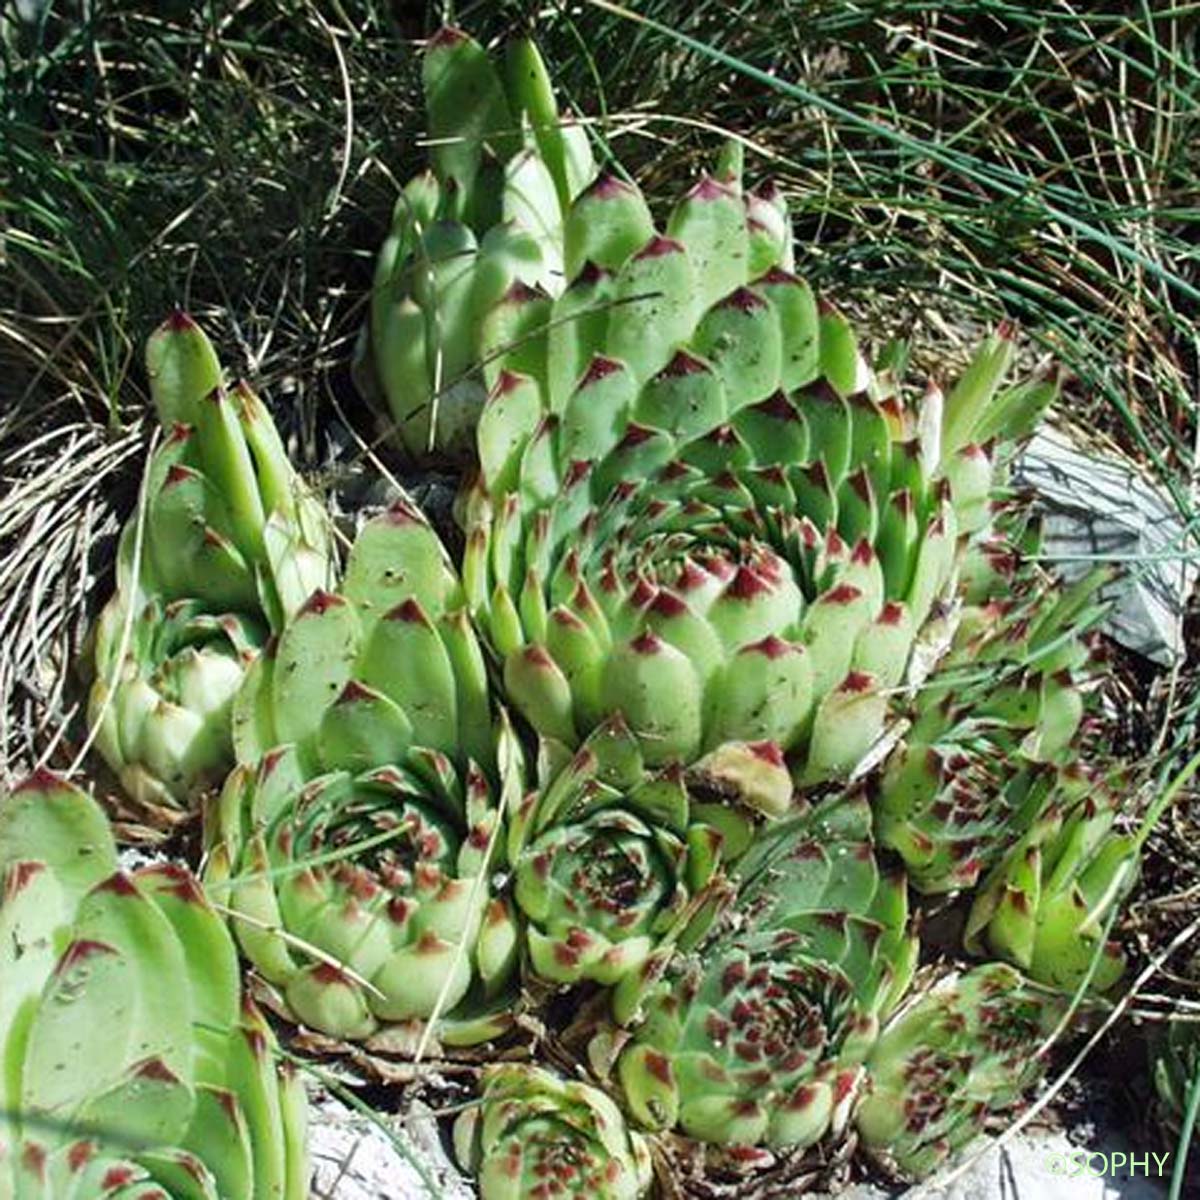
(1099, 507)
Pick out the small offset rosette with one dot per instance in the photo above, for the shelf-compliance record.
(227, 544)
(616, 863)
(995, 741)
(365, 896)
(533, 1134)
(964, 1053)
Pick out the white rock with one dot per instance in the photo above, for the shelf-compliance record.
(1043, 1166)
(1047, 1166)
(355, 1159)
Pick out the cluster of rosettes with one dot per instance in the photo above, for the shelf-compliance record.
(987, 791)
(712, 559)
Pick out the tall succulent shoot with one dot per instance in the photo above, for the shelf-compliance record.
(989, 790)
(133, 1064)
(354, 841)
(475, 241)
(227, 543)
(697, 505)
(761, 1036)
(534, 1136)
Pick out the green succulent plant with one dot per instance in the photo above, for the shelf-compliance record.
(364, 895)
(697, 506)
(709, 551)
(992, 744)
(951, 1060)
(1046, 904)
(386, 662)
(228, 544)
(760, 1036)
(992, 788)
(534, 1135)
(134, 1066)
(614, 861)
(355, 841)
(475, 243)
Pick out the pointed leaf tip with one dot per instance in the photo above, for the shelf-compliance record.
(41, 779)
(180, 322)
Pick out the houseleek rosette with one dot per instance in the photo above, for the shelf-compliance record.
(536, 1135)
(354, 844)
(698, 507)
(990, 788)
(615, 862)
(164, 728)
(387, 662)
(364, 895)
(134, 1066)
(480, 231)
(962, 1054)
(227, 544)
(760, 1038)
(993, 742)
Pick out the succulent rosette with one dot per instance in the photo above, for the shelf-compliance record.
(697, 505)
(474, 239)
(114, 1084)
(954, 1058)
(534, 1135)
(364, 895)
(615, 861)
(354, 844)
(164, 728)
(993, 743)
(227, 544)
(760, 1037)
